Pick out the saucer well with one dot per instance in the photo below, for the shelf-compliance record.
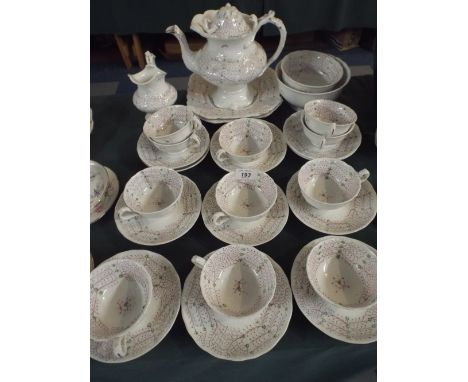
(275, 153)
(151, 231)
(151, 156)
(163, 309)
(337, 323)
(342, 221)
(299, 143)
(108, 199)
(266, 101)
(253, 234)
(237, 342)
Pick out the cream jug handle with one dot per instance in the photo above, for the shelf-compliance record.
(270, 18)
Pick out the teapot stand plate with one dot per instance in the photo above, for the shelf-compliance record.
(163, 310)
(266, 101)
(236, 342)
(109, 197)
(275, 154)
(333, 321)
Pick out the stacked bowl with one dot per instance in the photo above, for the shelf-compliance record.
(307, 75)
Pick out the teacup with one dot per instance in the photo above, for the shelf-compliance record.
(152, 193)
(99, 183)
(169, 125)
(192, 141)
(330, 183)
(237, 281)
(244, 196)
(319, 140)
(244, 141)
(329, 118)
(343, 272)
(120, 295)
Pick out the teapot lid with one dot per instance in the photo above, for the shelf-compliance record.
(225, 23)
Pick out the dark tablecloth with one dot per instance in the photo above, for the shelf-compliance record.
(304, 353)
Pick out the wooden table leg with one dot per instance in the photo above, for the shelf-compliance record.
(137, 51)
(124, 51)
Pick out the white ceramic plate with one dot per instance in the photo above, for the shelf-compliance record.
(265, 102)
(343, 221)
(109, 197)
(333, 321)
(162, 312)
(301, 145)
(267, 229)
(238, 343)
(150, 231)
(274, 156)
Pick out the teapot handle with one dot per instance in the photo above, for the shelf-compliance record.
(270, 18)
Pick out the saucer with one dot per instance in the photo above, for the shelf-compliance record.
(109, 197)
(148, 231)
(238, 342)
(253, 234)
(151, 156)
(299, 143)
(266, 101)
(162, 312)
(275, 153)
(341, 221)
(337, 323)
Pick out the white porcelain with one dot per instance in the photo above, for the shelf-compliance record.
(345, 220)
(234, 339)
(329, 118)
(146, 230)
(343, 272)
(297, 99)
(244, 196)
(244, 141)
(99, 181)
(342, 324)
(169, 125)
(311, 71)
(266, 101)
(108, 199)
(231, 59)
(237, 281)
(300, 144)
(255, 233)
(151, 193)
(321, 141)
(153, 91)
(120, 292)
(162, 311)
(272, 157)
(328, 183)
(193, 141)
(192, 155)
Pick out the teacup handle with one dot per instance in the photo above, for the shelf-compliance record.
(119, 346)
(195, 139)
(363, 175)
(270, 18)
(222, 155)
(125, 213)
(219, 218)
(198, 261)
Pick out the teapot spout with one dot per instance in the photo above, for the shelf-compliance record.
(188, 56)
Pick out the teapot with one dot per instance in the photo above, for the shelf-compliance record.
(231, 58)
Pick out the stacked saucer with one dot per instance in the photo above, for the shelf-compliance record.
(135, 299)
(236, 303)
(104, 187)
(324, 129)
(173, 137)
(245, 207)
(157, 206)
(329, 196)
(307, 75)
(248, 143)
(334, 283)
